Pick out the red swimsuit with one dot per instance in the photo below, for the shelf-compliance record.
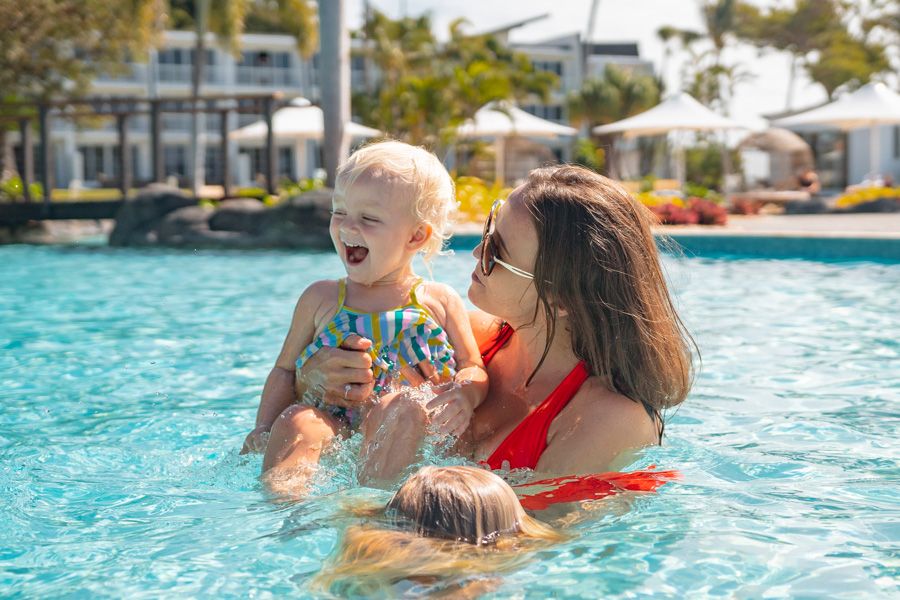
(523, 447)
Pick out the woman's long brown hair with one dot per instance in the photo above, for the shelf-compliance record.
(597, 259)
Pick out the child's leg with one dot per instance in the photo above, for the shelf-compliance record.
(393, 431)
(296, 441)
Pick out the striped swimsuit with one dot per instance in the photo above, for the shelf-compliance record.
(403, 336)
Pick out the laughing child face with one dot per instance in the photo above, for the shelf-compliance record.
(375, 231)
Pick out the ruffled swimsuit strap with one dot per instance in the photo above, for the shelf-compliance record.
(342, 294)
(413, 299)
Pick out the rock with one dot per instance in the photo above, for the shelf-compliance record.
(245, 215)
(189, 227)
(162, 216)
(299, 222)
(813, 206)
(139, 217)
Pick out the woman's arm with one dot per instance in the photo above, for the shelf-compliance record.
(598, 431)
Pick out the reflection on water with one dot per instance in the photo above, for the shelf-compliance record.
(128, 380)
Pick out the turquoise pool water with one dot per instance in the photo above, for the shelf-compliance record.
(128, 380)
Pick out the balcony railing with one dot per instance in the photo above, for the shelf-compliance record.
(267, 76)
(170, 73)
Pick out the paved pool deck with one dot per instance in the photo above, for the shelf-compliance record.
(818, 237)
(867, 226)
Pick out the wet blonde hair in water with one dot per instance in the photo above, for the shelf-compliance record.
(446, 521)
(411, 174)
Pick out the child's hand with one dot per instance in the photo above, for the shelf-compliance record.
(453, 407)
(256, 440)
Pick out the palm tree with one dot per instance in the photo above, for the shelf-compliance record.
(618, 95)
(225, 19)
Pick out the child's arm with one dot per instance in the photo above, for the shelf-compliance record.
(459, 402)
(278, 392)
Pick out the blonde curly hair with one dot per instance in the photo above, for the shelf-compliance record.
(414, 175)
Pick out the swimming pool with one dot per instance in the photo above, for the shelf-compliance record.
(128, 380)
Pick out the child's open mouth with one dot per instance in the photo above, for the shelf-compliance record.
(356, 254)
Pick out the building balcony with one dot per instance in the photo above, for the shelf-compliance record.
(267, 76)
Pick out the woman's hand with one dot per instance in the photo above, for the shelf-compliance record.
(339, 376)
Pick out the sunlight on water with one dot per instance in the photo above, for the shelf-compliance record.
(128, 380)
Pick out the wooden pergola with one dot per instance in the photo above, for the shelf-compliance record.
(123, 109)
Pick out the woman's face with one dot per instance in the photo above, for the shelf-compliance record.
(515, 241)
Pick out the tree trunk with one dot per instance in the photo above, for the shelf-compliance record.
(198, 120)
(7, 165)
(335, 78)
(792, 76)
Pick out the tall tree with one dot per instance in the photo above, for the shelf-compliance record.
(428, 88)
(816, 34)
(226, 19)
(54, 48)
(617, 95)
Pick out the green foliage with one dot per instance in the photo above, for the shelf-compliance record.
(617, 95)
(826, 40)
(295, 188)
(704, 169)
(55, 47)
(426, 89)
(587, 154)
(475, 197)
(12, 190)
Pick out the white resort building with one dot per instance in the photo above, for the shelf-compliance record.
(85, 152)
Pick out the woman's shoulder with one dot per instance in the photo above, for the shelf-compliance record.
(596, 427)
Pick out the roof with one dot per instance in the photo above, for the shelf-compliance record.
(613, 49)
(515, 24)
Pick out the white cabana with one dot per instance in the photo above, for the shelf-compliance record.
(499, 120)
(680, 112)
(870, 106)
(296, 123)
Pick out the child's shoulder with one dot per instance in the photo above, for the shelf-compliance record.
(437, 292)
(319, 299)
(440, 299)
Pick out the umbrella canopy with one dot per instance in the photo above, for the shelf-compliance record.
(870, 106)
(680, 112)
(501, 119)
(299, 120)
(776, 140)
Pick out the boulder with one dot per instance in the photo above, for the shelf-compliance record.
(166, 217)
(813, 206)
(244, 215)
(299, 222)
(139, 217)
(189, 227)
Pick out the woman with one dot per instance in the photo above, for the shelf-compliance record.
(582, 344)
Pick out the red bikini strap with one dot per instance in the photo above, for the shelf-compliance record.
(487, 354)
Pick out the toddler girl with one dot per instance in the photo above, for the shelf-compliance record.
(391, 201)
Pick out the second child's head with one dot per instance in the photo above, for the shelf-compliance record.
(391, 201)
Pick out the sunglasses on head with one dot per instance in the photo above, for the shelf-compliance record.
(489, 251)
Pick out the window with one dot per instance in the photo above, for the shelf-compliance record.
(92, 157)
(285, 162)
(897, 141)
(553, 112)
(552, 66)
(175, 160)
